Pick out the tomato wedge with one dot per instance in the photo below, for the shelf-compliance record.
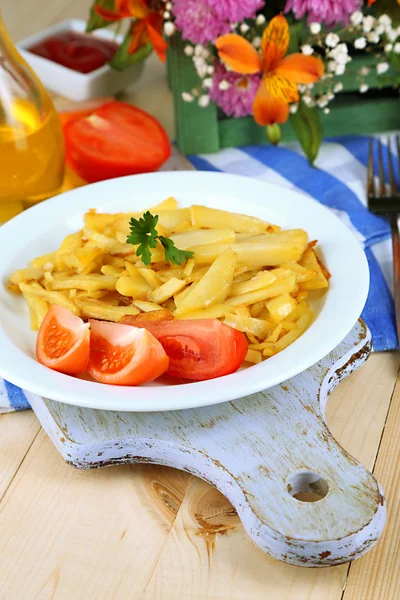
(115, 139)
(197, 349)
(63, 342)
(123, 355)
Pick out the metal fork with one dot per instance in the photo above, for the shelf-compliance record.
(385, 201)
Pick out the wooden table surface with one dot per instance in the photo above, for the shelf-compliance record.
(133, 532)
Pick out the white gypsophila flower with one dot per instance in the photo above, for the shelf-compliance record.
(364, 71)
(167, 15)
(224, 85)
(198, 49)
(388, 47)
(373, 37)
(356, 18)
(169, 29)
(204, 100)
(168, 6)
(330, 95)
(363, 88)
(340, 69)
(210, 70)
(368, 23)
(208, 82)
(302, 88)
(315, 28)
(360, 43)
(392, 35)
(201, 71)
(327, 111)
(244, 28)
(382, 68)
(385, 20)
(205, 53)
(257, 42)
(260, 20)
(332, 40)
(380, 29)
(396, 48)
(342, 59)
(338, 87)
(293, 108)
(322, 101)
(332, 66)
(186, 97)
(307, 49)
(307, 100)
(188, 50)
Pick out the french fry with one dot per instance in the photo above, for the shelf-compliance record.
(150, 276)
(133, 285)
(202, 237)
(23, 275)
(91, 282)
(202, 216)
(257, 327)
(147, 306)
(260, 280)
(257, 308)
(310, 262)
(166, 290)
(253, 356)
(50, 297)
(302, 273)
(188, 270)
(276, 250)
(96, 309)
(180, 296)
(99, 221)
(280, 286)
(46, 260)
(213, 287)
(280, 307)
(212, 312)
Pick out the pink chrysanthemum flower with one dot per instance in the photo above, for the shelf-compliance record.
(237, 100)
(329, 12)
(198, 21)
(235, 11)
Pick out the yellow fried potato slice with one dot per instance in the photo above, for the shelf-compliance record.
(213, 218)
(280, 286)
(280, 307)
(213, 287)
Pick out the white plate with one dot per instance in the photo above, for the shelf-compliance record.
(40, 230)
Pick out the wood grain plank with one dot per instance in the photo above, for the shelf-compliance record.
(208, 555)
(17, 433)
(377, 574)
(66, 533)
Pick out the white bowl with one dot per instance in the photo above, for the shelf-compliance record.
(40, 230)
(104, 81)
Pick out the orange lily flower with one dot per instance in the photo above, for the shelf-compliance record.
(148, 27)
(280, 76)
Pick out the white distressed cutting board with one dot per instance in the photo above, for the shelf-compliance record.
(300, 496)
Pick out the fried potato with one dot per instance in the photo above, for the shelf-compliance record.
(213, 287)
(202, 216)
(248, 273)
(96, 309)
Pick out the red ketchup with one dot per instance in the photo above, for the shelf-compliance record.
(76, 51)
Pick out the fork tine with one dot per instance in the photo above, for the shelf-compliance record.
(392, 181)
(382, 187)
(370, 170)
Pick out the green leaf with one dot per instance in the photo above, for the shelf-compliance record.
(144, 233)
(96, 21)
(172, 253)
(307, 127)
(122, 59)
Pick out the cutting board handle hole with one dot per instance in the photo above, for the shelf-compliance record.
(307, 486)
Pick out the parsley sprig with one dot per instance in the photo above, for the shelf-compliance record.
(144, 234)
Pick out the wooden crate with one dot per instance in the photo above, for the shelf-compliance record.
(203, 130)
